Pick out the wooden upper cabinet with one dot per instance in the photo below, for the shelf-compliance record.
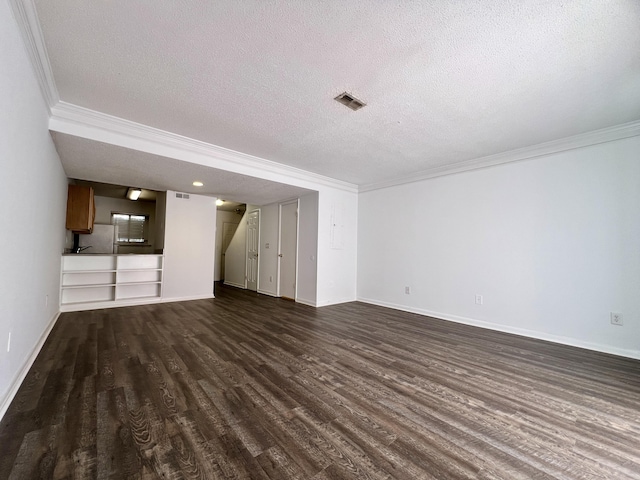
(81, 210)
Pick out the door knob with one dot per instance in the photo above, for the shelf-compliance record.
(280, 255)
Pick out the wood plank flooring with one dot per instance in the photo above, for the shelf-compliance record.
(246, 386)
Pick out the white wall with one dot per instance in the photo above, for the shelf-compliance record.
(33, 195)
(189, 247)
(553, 245)
(307, 285)
(337, 264)
(222, 218)
(161, 212)
(269, 232)
(235, 258)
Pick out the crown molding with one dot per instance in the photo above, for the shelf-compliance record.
(26, 16)
(595, 137)
(83, 122)
(72, 119)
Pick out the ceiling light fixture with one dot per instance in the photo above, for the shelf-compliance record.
(219, 202)
(133, 193)
(198, 184)
(349, 101)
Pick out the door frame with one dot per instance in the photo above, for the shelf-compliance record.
(246, 251)
(280, 205)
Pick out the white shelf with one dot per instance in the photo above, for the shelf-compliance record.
(86, 262)
(89, 285)
(89, 271)
(139, 262)
(102, 281)
(80, 278)
(139, 270)
(93, 293)
(137, 290)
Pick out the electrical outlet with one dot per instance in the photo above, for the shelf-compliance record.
(9, 343)
(479, 299)
(46, 300)
(270, 278)
(407, 290)
(616, 319)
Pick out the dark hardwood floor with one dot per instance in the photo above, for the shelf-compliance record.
(247, 386)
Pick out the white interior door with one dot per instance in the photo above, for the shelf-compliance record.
(288, 250)
(253, 243)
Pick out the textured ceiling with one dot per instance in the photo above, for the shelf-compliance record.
(101, 162)
(444, 81)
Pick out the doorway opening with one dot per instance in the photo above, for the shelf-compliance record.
(228, 218)
(274, 249)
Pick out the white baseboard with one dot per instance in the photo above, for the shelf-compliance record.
(19, 378)
(306, 302)
(337, 302)
(187, 299)
(264, 292)
(79, 307)
(573, 342)
(237, 285)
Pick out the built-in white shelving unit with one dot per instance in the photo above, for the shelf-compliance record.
(103, 281)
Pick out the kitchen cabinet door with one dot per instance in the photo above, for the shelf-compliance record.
(81, 209)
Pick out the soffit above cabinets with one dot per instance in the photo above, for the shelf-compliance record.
(116, 191)
(92, 161)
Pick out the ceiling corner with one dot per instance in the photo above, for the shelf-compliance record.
(27, 19)
(610, 134)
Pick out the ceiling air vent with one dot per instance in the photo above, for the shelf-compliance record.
(182, 195)
(349, 101)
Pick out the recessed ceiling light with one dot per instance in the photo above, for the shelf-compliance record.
(219, 202)
(198, 184)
